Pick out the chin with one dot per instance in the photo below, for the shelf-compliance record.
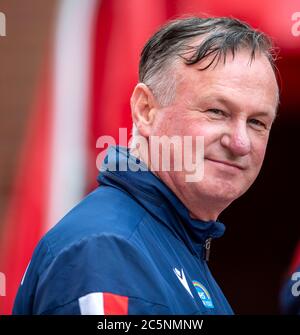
(223, 191)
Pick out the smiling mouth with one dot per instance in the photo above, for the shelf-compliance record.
(226, 163)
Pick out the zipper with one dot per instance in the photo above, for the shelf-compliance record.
(206, 248)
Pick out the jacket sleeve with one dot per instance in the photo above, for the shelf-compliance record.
(41, 260)
(99, 275)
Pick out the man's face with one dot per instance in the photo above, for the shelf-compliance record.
(233, 107)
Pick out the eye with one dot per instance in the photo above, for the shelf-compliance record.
(258, 123)
(216, 112)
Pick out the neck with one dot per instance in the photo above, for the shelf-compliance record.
(209, 209)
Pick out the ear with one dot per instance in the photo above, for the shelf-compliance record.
(143, 108)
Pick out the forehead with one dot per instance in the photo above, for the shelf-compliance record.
(251, 82)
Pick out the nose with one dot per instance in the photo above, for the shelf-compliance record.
(237, 139)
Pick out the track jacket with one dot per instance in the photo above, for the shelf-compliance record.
(129, 247)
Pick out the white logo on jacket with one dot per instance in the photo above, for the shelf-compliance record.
(181, 276)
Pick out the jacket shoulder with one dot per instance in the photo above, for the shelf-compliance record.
(106, 210)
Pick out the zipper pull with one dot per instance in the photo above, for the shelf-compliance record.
(206, 247)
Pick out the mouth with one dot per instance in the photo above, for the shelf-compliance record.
(225, 163)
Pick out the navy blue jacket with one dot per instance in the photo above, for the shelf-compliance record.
(129, 247)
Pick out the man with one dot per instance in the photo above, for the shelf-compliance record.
(139, 243)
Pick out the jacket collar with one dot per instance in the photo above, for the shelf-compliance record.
(156, 198)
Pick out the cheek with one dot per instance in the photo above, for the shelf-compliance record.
(210, 133)
(256, 159)
(195, 125)
(258, 151)
(166, 123)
